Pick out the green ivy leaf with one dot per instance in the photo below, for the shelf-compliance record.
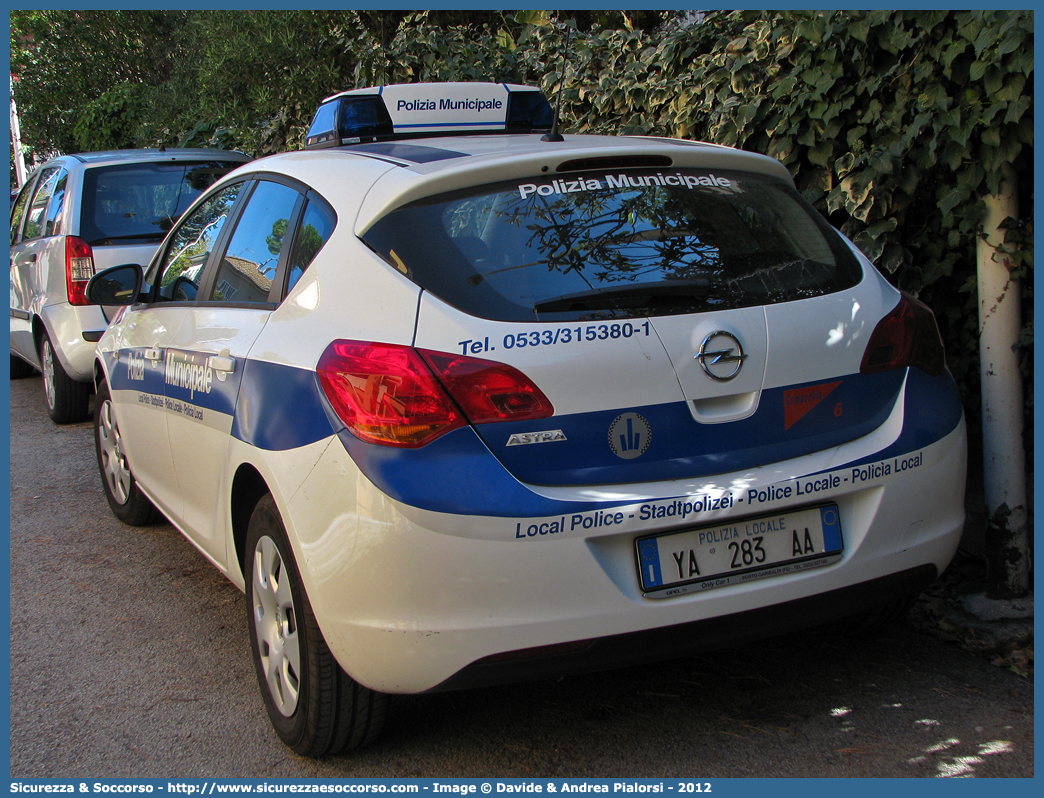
(977, 70)
(951, 199)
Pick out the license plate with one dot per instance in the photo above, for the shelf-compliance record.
(739, 551)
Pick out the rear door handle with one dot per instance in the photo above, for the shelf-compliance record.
(153, 354)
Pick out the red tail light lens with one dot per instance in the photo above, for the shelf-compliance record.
(908, 336)
(385, 394)
(399, 396)
(488, 391)
(79, 269)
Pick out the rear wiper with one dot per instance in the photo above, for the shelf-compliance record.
(609, 297)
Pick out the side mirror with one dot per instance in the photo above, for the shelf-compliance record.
(118, 285)
(184, 289)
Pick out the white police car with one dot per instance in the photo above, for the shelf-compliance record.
(456, 403)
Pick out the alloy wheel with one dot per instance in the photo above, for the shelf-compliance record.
(47, 367)
(114, 464)
(275, 623)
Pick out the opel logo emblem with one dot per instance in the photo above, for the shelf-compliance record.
(721, 356)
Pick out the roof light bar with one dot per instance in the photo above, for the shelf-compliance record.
(410, 110)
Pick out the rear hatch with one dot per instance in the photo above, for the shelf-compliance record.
(683, 322)
(127, 208)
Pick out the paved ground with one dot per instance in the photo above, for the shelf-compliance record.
(129, 658)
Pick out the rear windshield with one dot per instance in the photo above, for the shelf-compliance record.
(597, 245)
(139, 203)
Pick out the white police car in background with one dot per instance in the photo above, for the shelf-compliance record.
(81, 213)
(461, 409)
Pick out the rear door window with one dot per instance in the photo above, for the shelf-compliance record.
(34, 221)
(249, 265)
(139, 203)
(18, 212)
(317, 225)
(616, 245)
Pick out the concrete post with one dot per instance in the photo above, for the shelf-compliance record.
(1000, 318)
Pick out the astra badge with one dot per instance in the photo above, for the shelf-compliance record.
(548, 436)
(721, 356)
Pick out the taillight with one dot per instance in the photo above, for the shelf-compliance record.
(385, 394)
(488, 391)
(908, 336)
(79, 269)
(390, 394)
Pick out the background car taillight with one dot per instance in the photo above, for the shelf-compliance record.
(79, 268)
(388, 393)
(488, 391)
(908, 336)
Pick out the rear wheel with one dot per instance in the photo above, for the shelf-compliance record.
(314, 706)
(20, 369)
(68, 401)
(126, 500)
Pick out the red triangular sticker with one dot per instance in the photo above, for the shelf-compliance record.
(798, 401)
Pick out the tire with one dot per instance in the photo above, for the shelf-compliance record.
(126, 500)
(315, 707)
(68, 401)
(20, 369)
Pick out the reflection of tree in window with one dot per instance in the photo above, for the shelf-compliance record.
(309, 242)
(608, 237)
(711, 237)
(192, 254)
(316, 227)
(513, 252)
(195, 238)
(275, 241)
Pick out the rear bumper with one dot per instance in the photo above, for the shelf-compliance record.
(650, 645)
(411, 601)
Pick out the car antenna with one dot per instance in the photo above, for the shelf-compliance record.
(554, 135)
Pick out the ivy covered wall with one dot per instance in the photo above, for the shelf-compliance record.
(894, 123)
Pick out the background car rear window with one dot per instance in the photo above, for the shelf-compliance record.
(592, 245)
(140, 202)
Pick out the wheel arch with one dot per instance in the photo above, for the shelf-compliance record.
(99, 374)
(248, 486)
(39, 328)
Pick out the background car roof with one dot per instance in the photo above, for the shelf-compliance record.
(173, 154)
